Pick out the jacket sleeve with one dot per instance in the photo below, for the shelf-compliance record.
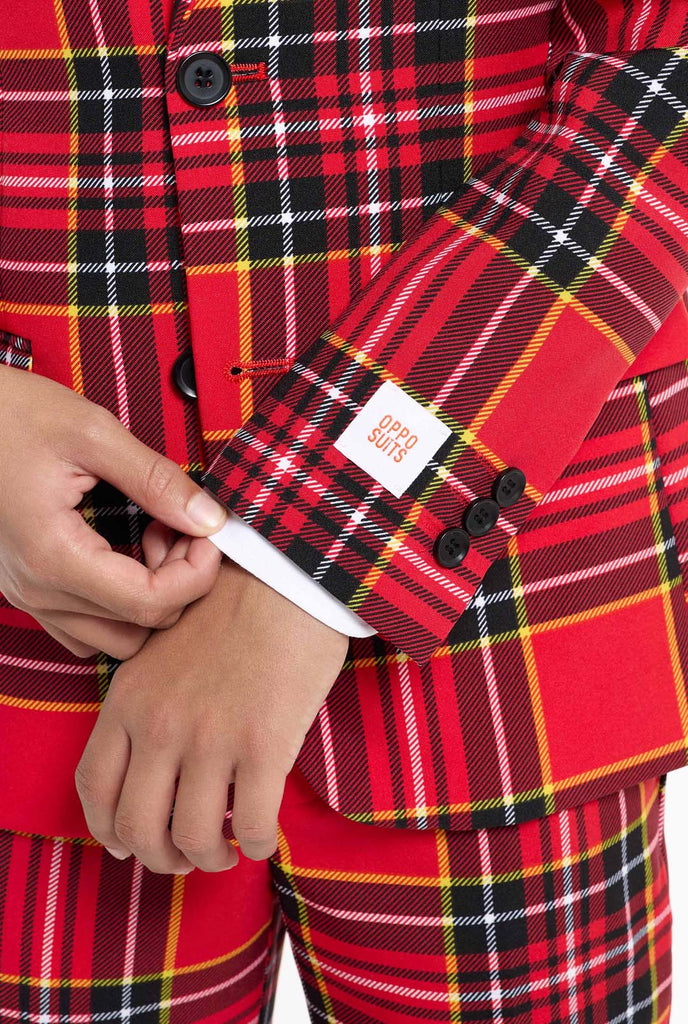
(499, 330)
(253, 552)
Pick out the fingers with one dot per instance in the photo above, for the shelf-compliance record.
(258, 791)
(161, 544)
(75, 646)
(143, 811)
(179, 549)
(156, 542)
(199, 812)
(77, 588)
(135, 598)
(98, 778)
(140, 595)
(128, 794)
(153, 481)
(121, 640)
(47, 601)
(46, 586)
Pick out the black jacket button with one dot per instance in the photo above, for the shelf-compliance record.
(508, 486)
(451, 547)
(204, 79)
(480, 516)
(184, 376)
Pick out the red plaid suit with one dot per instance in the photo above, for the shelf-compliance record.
(484, 202)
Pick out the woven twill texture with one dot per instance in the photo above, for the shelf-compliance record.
(484, 202)
(561, 920)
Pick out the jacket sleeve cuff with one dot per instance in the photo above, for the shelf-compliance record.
(370, 550)
(253, 552)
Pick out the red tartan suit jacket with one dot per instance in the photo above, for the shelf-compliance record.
(484, 202)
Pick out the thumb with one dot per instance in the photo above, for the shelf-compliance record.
(157, 484)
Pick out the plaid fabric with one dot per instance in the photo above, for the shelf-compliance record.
(270, 235)
(549, 258)
(14, 351)
(557, 921)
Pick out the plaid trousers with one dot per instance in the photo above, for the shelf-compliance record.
(563, 918)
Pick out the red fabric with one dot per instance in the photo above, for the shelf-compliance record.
(668, 344)
(272, 236)
(561, 919)
(503, 316)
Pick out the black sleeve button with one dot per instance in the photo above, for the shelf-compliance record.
(184, 376)
(508, 486)
(204, 79)
(480, 516)
(451, 547)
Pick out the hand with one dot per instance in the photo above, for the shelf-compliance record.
(226, 695)
(53, 565)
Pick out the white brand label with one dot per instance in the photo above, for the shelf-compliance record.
(392, 438)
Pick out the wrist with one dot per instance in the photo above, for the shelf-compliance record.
(238, 585)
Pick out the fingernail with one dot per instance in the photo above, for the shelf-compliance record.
(117, 853)
(185, 871)
(206, 512)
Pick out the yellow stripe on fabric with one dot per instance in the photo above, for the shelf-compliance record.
(563, 297)
(469, 91)
(126, 979)
(213, 4)
(171, 945)
(525, 634)
(285, 864)
(49, 705)
(666, 586)
(72, 192)
(85, 311)
(242, 264)
(220, 435)
(439, 881)
(299, 259)
(128, 50)
(649, 897)
(524, 796)
(447, 915)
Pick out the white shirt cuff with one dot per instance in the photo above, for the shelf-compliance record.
(257, 555)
